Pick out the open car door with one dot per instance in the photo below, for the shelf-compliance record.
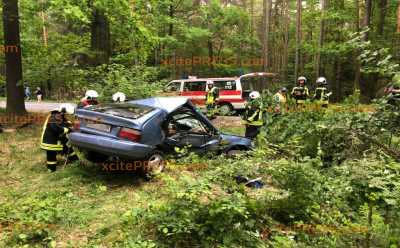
(186, 130)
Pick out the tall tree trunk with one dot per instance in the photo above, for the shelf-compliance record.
(298, 39)
(44, 29)
(171, 15)
(382, 16)
(367, 82)
(398, 18)
(252, 25)
(285, 52)
(12, 48)
(357, 75)
(320, 39)
(211, 53)
(265, 29)
(367, 18)
(100, 36)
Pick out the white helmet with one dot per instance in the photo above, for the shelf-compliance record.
(91, 94)
(302, 78)
(119, 97)
(254, 95)
(321, 80)
(66, 108)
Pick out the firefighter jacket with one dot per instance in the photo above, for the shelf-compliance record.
(254, 113)
(212, 96)
(322, 95)
(53, 131)
(300, 94)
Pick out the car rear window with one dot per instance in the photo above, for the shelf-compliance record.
(126, 110)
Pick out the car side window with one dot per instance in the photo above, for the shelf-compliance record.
(195, 86)
(173, 87)
(187, 122)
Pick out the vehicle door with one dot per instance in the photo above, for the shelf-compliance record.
(191, 132)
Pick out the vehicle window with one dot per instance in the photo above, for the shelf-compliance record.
(127, 110)
(173, 86)
(226, 85)
(186, 122)
(195, 86)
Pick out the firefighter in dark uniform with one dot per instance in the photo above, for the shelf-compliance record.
(322, 94)
(54, 136)
(254, 115)
(211, 100)
(300, 93)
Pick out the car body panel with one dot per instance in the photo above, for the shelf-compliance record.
(153, 135)
(110, 146)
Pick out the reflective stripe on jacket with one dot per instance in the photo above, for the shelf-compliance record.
(322, 95)
(52, 133)
(300, 93)
(254, 114)
(212, 96)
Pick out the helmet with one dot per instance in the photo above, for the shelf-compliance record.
(91, 94)
(66, 108)
(119, 97)
(283, 89)
(302, 78)
(254, 95)
(321, 80)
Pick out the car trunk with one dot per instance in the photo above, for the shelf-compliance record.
(108, 120)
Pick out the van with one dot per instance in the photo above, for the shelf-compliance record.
(233, 91)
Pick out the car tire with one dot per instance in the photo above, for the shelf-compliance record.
(225, 109)
(155, 164)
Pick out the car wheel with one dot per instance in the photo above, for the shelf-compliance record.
(155, 164)
(225, 109)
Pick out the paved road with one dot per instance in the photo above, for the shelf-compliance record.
(37, 107)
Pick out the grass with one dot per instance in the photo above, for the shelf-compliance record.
(84, 197)
(77, 206)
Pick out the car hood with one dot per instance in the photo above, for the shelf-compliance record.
(168, 104)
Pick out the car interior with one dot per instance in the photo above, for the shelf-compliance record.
(184, 128)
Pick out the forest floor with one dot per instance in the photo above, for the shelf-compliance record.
(82, 200)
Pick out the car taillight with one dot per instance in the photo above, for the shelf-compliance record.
(77, 125)
(129, 134)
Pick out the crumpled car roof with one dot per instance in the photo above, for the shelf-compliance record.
(169, 104)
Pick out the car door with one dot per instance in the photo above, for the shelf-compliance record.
(192, 133)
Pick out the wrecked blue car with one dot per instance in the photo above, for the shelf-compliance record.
(147, 130)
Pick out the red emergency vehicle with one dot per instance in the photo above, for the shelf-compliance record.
(233, 91)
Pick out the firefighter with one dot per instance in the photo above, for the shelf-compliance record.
(118, 97)
(211, 100)
(54, 136)
(300, 93)
(89, 99)
(322, 94)
(280, 100)
(254, 115)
